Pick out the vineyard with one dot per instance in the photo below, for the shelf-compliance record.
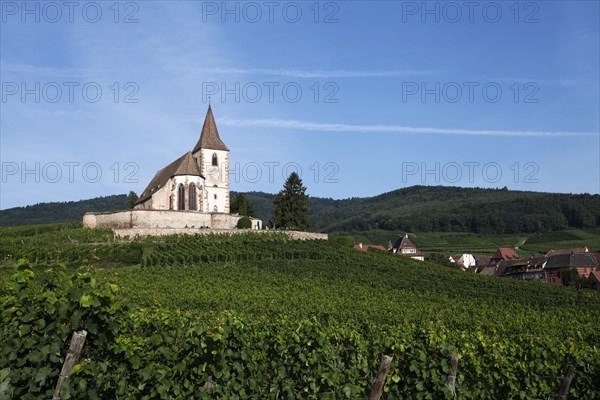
(261, 316)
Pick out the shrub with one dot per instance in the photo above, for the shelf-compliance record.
(244, 223)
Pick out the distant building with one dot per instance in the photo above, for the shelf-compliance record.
(404, 247)
(481, 260)
(503, 254)
(584, 263)
(465, 261)
(365, 247)
(523, 269)
(576, 250)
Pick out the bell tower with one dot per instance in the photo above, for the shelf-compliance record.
(212, 157)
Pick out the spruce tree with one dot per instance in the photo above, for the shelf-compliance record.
(242, 206)
(132, 198)
(291, 205)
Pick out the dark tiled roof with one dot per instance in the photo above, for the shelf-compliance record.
(512, 266)
(481, 260)
(209, 138)
(184, 165)
(488, 270)
(594, 275)
(572, 261)
(404, 243)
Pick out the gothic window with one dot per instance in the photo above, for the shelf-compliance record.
(171, 200)
(215, 161)
(192, 197)
(181, 197)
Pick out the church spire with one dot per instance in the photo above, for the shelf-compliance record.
(209, 138)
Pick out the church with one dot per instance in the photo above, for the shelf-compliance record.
(190, 195)
(196, 181)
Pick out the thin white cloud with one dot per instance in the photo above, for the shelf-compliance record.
(30, 70)
(541, 82)
(328, 127)
(313, 74)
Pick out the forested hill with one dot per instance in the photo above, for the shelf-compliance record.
(412, 209)
(45, 213)
(452, 209)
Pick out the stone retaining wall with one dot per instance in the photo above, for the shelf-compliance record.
(132, 232)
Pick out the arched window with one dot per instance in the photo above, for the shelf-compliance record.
(192, 197)
(215, 209)
(215, 160)
(181, 197)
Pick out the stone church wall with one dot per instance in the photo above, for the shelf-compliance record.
(149, 219)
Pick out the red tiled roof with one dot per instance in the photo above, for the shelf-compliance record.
(367, 246)
(575, 250)
(504, 253)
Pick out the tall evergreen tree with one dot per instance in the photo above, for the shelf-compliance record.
(242, 206)
(132, 197)
(291, 204)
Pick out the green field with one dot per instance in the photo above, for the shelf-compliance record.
(266, 317)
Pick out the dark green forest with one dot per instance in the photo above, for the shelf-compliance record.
(412, 209)
(47, 213)
(449, 209)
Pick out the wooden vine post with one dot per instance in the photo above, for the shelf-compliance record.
(564, 388)
(75, 349)
(377, 389)
(452, 374)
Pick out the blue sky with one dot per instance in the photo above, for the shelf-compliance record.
(360, 97)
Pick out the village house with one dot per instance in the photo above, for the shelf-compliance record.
(523, 269)
(584, 263)
(464, 261)
(366, 247)
(576, 250)
(502, 254)
(405, 248)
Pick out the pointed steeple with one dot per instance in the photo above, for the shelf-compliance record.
(209, 138)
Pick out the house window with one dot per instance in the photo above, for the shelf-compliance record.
(192, 197)
(181, 197)
(215, 160)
